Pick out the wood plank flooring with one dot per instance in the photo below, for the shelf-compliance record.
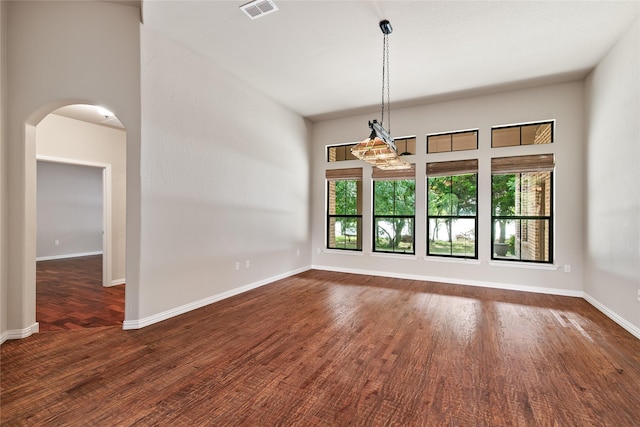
(70, 295)
(334, 349)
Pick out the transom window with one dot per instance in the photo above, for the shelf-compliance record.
(338, 153)
(406, 146)
(525, 134)
(452, 141)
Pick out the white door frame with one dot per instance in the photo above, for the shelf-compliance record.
(106, 209)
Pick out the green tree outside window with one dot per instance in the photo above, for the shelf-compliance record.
(394, 215)
(452, 215)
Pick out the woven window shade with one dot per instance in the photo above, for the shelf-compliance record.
(516, 164)
(458, 167)
(344, 174)
(409, 173)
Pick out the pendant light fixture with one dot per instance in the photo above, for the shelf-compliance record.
(380, 149)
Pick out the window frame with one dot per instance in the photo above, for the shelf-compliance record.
(451, 135)
(549, 217)
(375, 217)
(346, 146)
(333, 175)
(406, 140)
(521, 125)
(460, 172)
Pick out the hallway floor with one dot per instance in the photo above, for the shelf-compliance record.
(70, 295)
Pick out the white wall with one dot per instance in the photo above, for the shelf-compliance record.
(562, 102)
(61, 53)
(612, 250)
(225, 180)
(64, 138)
(69, 210)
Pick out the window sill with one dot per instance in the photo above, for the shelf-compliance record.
(526, 265)
(393, 256)
(342, 252)
(469, 261)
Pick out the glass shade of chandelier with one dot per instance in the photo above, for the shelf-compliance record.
(380, 149)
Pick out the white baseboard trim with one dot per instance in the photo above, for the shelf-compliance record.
(116, 282)
(150, 320)
(52, 257)
(16, 334)
(505, 286)
(635, 331)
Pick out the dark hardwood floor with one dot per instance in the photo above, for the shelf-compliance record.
(334, 349)
(70, 295)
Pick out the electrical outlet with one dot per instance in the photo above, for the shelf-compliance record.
(56, 242)
(247, 264)
(237, 265)
(567, 268)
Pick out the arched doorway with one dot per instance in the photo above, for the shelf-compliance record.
(81, 218)
(37, 83)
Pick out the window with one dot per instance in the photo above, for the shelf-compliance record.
(406, 146)
(452, 193)
(453, 141)
(344, 208)
(394, 200)
(338, 153)
(525, 134)
(522, 208)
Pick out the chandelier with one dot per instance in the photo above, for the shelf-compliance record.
(380, 149)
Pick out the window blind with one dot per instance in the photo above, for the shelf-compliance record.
(344, 174)
(409, 173)
(516, 164)
(458, 167)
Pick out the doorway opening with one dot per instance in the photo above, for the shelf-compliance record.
(80, 237)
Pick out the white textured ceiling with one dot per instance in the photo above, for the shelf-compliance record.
(320, 58)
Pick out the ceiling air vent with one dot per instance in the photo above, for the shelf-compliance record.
(258, 8)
